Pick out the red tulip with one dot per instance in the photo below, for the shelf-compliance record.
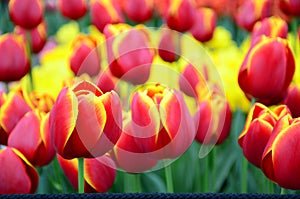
(105, 12)
(270, 27)
(17, 175)
(267, 70)
(290, 7)
(281, 159)
(74, 9)
(26, 13)
(138, 10)
(84, 122)
(129, 53)
(205, 23)
(161, 122)
(85, 57)
(3, 134)
(292, 98)
(181, 15)
(38, 36)
(257, 131)
(15, 61)
(169, 47)
(106, 82)
(252, 11)
(161, 7)
(99, 173)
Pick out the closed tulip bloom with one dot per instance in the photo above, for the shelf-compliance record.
(169, 47)
(85, 56)
(74, 9)
(161, 122)
(258, 129)
(106, 81)
(38, 36)
(31, 136)
(256, 10)
(84, 122)
(181, 15)
(99, 173)
(17, 175)
(26, 13)
(105, 12)
(267, 70)
(138, 10)
(281, 160)
(271, 27)
(15, 62)
(291, 100)
(290, 7)
(205, 24)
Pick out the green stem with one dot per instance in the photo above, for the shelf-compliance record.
(214, 166)
(244, 175)
(28, 45)
(295, 34)
(6, 87)
(57, 173)
(206, 174)
(169, 179)
(80, 175)
(283, 191)
(138, 188)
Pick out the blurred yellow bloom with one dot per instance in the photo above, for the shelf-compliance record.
(67, 33)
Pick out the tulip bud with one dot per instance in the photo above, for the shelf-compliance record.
(84, 122)
(15, 61)
(105, 12)
(26, 13)
(205, 23)
(290, 7)
(85, 57)
(268, 59)
(258, 129)
(138, 10)
(17, 175)
(74, 9)
(181, 15)
(169, 47)
(38, 36)
(99, 173)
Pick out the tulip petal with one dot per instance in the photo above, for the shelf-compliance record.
(83, 87)
(70, 169)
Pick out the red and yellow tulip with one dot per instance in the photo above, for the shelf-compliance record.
(169, 47)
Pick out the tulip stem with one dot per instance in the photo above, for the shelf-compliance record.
(206, 174)
(283, 191)
(80, 175)
(137, 183)
(295, 34)
(169, 179)
(244, 175)
(28, 45)
(6, 87)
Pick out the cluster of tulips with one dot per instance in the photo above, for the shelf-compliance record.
(117, 96)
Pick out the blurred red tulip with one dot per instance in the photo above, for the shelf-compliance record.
(252, 11)
(99, 173)
(85, 57)
(271, 27)
(267, 70)
(17, 175)
(129, 53)
(38, 36)
(106, 82)
(181, 15)
(72, 9)
(292, 99)
(258, 129)
(290, 7)
(3, 134)
(138, 10)
(281, 160)
(161, 122)
(26, 13)
(15, 61)
(84, 122)
(105, 12)
(31, 136)
(205, 23)
(169, 47)
(161, 7)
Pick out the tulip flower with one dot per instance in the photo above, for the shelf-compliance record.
(106, 81)
(31, 136)
(74, 9)
(290, 7)
(3, 134)
(38, 36)
(84, 122)
(258, 129)
(271, 27)
(291, 100)
(129, 53)
(161, 7)
(256, 10)
(205, 23)
(15, 61)
(161, 122)
(26, 13)
(169, 47)
(280, 160)
(85, 57)
(17, 175)
(138, 11)
(99, 173)
(181, 15)
(267, 70)
(105, 12)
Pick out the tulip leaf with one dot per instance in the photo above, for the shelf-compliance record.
(152, 182)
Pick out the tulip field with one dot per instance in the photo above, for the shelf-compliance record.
(149, 96)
